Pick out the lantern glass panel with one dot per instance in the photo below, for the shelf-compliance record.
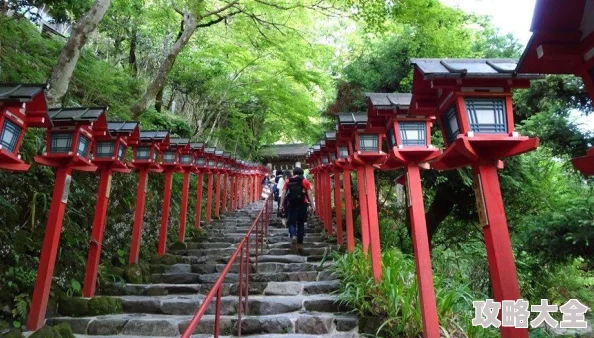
(450, 124)
(343, 152)
(200, 162)
(412, 133)
(10, 135)
(332, 156)
(369, 142)
(169, 157)
(186, 159)
(61, 142)
(486, 115)
(220, 164)
(211, 163)
(325, 159)
(83, 146)
(391, 138)
(121, 152)
(104, 149)
(143, 153)
(155, 155)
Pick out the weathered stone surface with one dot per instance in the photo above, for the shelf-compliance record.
(313, 324)
(326, 304)
(283, 288)
(204, 268)
(326, 276)
(180, 306)
(276, 305)
(255, 288)
(78, 325)
(150, 327)
(314, 288)
(346, 323)
(110, 326)
(179, 269)
(281, 259)
(178, 278)
(142, 305)
(275, 324)
(305, 276)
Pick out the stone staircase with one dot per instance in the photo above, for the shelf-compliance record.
(290, 295)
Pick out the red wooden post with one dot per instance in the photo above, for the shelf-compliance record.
(225, 183)
(363, 209)
(337, 207)
(217, 195)
(209, 198)
(232, 193)
(328, 202)
(138, 216)
(49, 249)
(198, 211)
(184, 206)
(165, 213)
(422, 253)
(374, 236)
(499, 250)
(97, 233)
(348, 206)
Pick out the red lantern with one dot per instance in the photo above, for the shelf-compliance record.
(21, 106)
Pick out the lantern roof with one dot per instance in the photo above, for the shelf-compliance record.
(149, 136)
(20, 92)
(123, 128)
(227, 155)
(561, 39)
(359, 118)
(330, 135)
(470, 68)
(179, 142)
(219, 152)
(390, 100)
(77, 114)
(210, 150)
(196, 145)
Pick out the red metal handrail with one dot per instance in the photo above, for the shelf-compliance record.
(260, 225)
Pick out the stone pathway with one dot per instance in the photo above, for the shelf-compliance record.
(290, 295)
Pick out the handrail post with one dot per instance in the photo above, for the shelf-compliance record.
(247, 276)
(217, 323)
(240, 302)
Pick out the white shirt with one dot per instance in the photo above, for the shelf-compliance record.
(281, 183)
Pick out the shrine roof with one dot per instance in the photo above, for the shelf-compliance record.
(20, 92)
(470, 68)
(390, 100)
(219, 152)
(352, 118)
(179, 142)
(122, 127)
(159, 135)
(76, 114)
(283, 150)
(210, 150)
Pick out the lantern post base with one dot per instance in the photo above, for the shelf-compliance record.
(90, 281)
(49, 249)
(422, 253)
(165, 213)
(184, 207)
(138, 216)
(502, 268)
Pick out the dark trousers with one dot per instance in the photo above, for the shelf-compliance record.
(297, 215)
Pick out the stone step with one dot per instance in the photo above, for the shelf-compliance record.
(193, 278)
(205, 335)
(257, 304)
(259, 288)
(263, 267)
(174, 325)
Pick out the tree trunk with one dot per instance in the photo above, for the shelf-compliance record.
(62, 72)
(441, 207)
(132, 54)
(190, 24)
(159, 100)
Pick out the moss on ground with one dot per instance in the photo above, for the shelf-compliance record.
(105, 305)
(64, 330)
(178, 246)
(46, 332)
(133, 274)
(166, 259)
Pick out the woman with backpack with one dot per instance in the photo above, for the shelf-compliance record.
(297, 194)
